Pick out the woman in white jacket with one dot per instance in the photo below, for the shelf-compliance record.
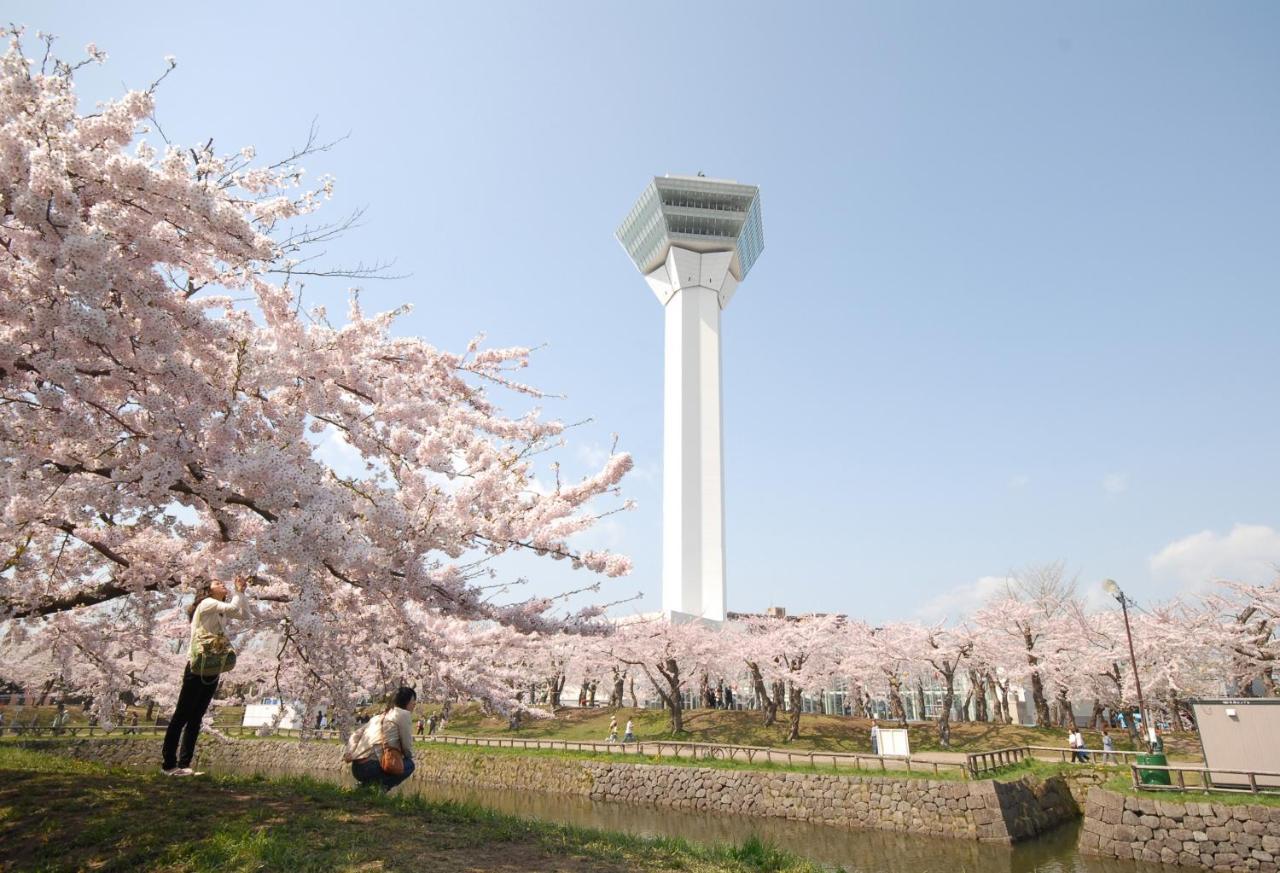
(207, 612)
(393, 727)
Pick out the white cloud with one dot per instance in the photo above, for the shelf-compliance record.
(338, 455)
(1115, 483)
(1249, 553)
(963, 600)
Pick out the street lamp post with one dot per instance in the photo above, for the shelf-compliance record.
(1110, 586)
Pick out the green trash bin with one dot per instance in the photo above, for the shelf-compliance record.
(1154, 777)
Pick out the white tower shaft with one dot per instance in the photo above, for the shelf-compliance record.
(693, 288)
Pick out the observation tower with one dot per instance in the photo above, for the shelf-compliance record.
(694, 239)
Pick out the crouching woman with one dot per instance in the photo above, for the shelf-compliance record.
(381, 752)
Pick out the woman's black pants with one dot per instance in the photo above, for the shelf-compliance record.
(193, 703)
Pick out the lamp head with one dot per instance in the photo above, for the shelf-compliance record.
(1110, 586)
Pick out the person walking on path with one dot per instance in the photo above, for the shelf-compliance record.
(431, 725)
(1108, 748)
(1076, 742)
(613, 729)
(875, 737)
(208, 613)
(392, 729)
(629, 736)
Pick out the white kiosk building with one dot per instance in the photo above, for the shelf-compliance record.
(694, 239)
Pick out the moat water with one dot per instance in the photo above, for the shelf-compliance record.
(857, 851)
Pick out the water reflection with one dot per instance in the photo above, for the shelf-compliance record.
(857, 851)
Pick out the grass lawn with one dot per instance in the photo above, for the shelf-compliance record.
(826, 733)
(57, 814)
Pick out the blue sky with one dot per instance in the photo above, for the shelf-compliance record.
(1018, 300)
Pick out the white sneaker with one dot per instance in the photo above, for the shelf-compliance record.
(181, 771)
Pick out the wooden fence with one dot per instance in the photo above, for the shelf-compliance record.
(978, 764)
(1205, 779)
(713, 751)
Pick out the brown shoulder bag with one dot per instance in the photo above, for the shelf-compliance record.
(392, 760)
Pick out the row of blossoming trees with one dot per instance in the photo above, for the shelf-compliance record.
(162, 396)
(1035, 637)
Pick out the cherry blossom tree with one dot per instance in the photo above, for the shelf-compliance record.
(800, 651)
(1250, 625)
(883, 659)
(946, 649)
(668, 654)
(1026, 615)
(162, 394)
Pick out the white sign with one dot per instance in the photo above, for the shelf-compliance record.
(894, 743)
(263, 714)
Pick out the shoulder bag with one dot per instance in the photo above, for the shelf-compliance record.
(211, 655)
(392, 760)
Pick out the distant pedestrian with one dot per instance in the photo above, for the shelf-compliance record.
(875, 737)
(1076, 742)
(1, 724)
(1108, 747)
(431, 725)
(421, 727)
(133, 723)
(613, 729)
(629, 736)
(1157, 742)
(728, 698)
(210, 656)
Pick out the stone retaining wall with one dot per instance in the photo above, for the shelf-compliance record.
(989, 811)
(1213, 835)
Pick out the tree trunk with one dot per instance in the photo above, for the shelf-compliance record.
(793, 727)
(631, 686)
(668, 690)
(767, 703)
(1175, 716)
(591, 692)
(619, 688)
(1037, 697)
(896, 709)
(1066, 714)
(978, 684)
(944, 716)
(920, 703)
